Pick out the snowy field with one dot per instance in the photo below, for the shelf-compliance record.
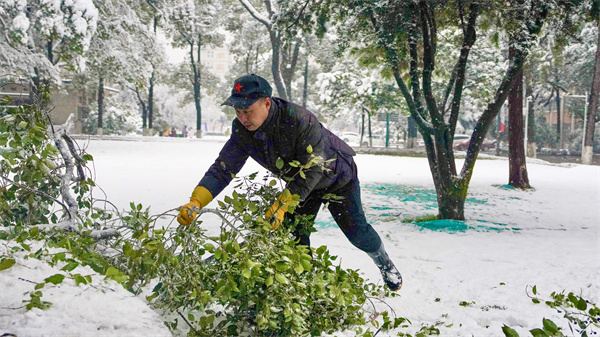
(465, 278)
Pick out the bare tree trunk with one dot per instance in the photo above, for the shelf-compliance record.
(248, 60)
(588, 142)
(531, 145)
(517, 172)
(362, 127)
(558, 120)
(150, 108)
(142, 104)
(151, 101)
(275, 69)
(411, 139)
(288, 65)
(100, 105)
(196, 71)
(305, 90)
(370, 133)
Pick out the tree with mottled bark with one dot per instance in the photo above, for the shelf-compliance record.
(517, 166)
(405, 36)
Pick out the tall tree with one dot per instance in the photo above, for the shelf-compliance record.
(592, 117)
(517, 167)
(406, 34)
(285, 49)
(40, 37)
(192, 25)
(117, 52)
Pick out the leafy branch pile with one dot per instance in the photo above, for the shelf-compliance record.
(582, 315)
(243, 280)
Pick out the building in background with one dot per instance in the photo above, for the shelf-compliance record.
(65, 102)
(217, 60)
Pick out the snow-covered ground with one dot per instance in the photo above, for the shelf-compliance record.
(466, 278)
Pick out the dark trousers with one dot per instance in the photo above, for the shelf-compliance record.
(346, 211)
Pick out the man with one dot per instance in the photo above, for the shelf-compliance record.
(274, 132)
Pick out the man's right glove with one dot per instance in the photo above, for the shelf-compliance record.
(279, 208)
(200, 198)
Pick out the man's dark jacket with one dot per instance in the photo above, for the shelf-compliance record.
(286, 133)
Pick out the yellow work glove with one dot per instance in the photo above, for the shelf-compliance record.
(279, 208)
(200, 198)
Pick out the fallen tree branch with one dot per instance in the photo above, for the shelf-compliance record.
(40, 193)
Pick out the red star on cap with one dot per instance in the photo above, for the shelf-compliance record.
(238, 87)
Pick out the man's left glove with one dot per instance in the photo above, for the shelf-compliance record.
(200, 198)
(279, 208)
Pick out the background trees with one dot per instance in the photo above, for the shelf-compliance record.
(192, 26)
(118, 52)
(404, 37)
(447, 60)
(40, 37)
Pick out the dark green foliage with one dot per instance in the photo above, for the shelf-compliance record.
(582, 315)
(27, 165)
(247, 279)
(31, 167)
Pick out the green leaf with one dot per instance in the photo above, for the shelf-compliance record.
(287, 194)
(6, 263)
(39, 286)
(55, 279)
(70, 266)
(269, 281)
(550, 327)
(281, 265)
(309, 149)
(279, 163)
(581, 304)
(246, 273)
(534, 290)
(538, 333)
(79, 279)
(112, 271)
(281, 278)
(508, 332)
(306, 264)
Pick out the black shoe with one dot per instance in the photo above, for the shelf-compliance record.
(391, 275)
